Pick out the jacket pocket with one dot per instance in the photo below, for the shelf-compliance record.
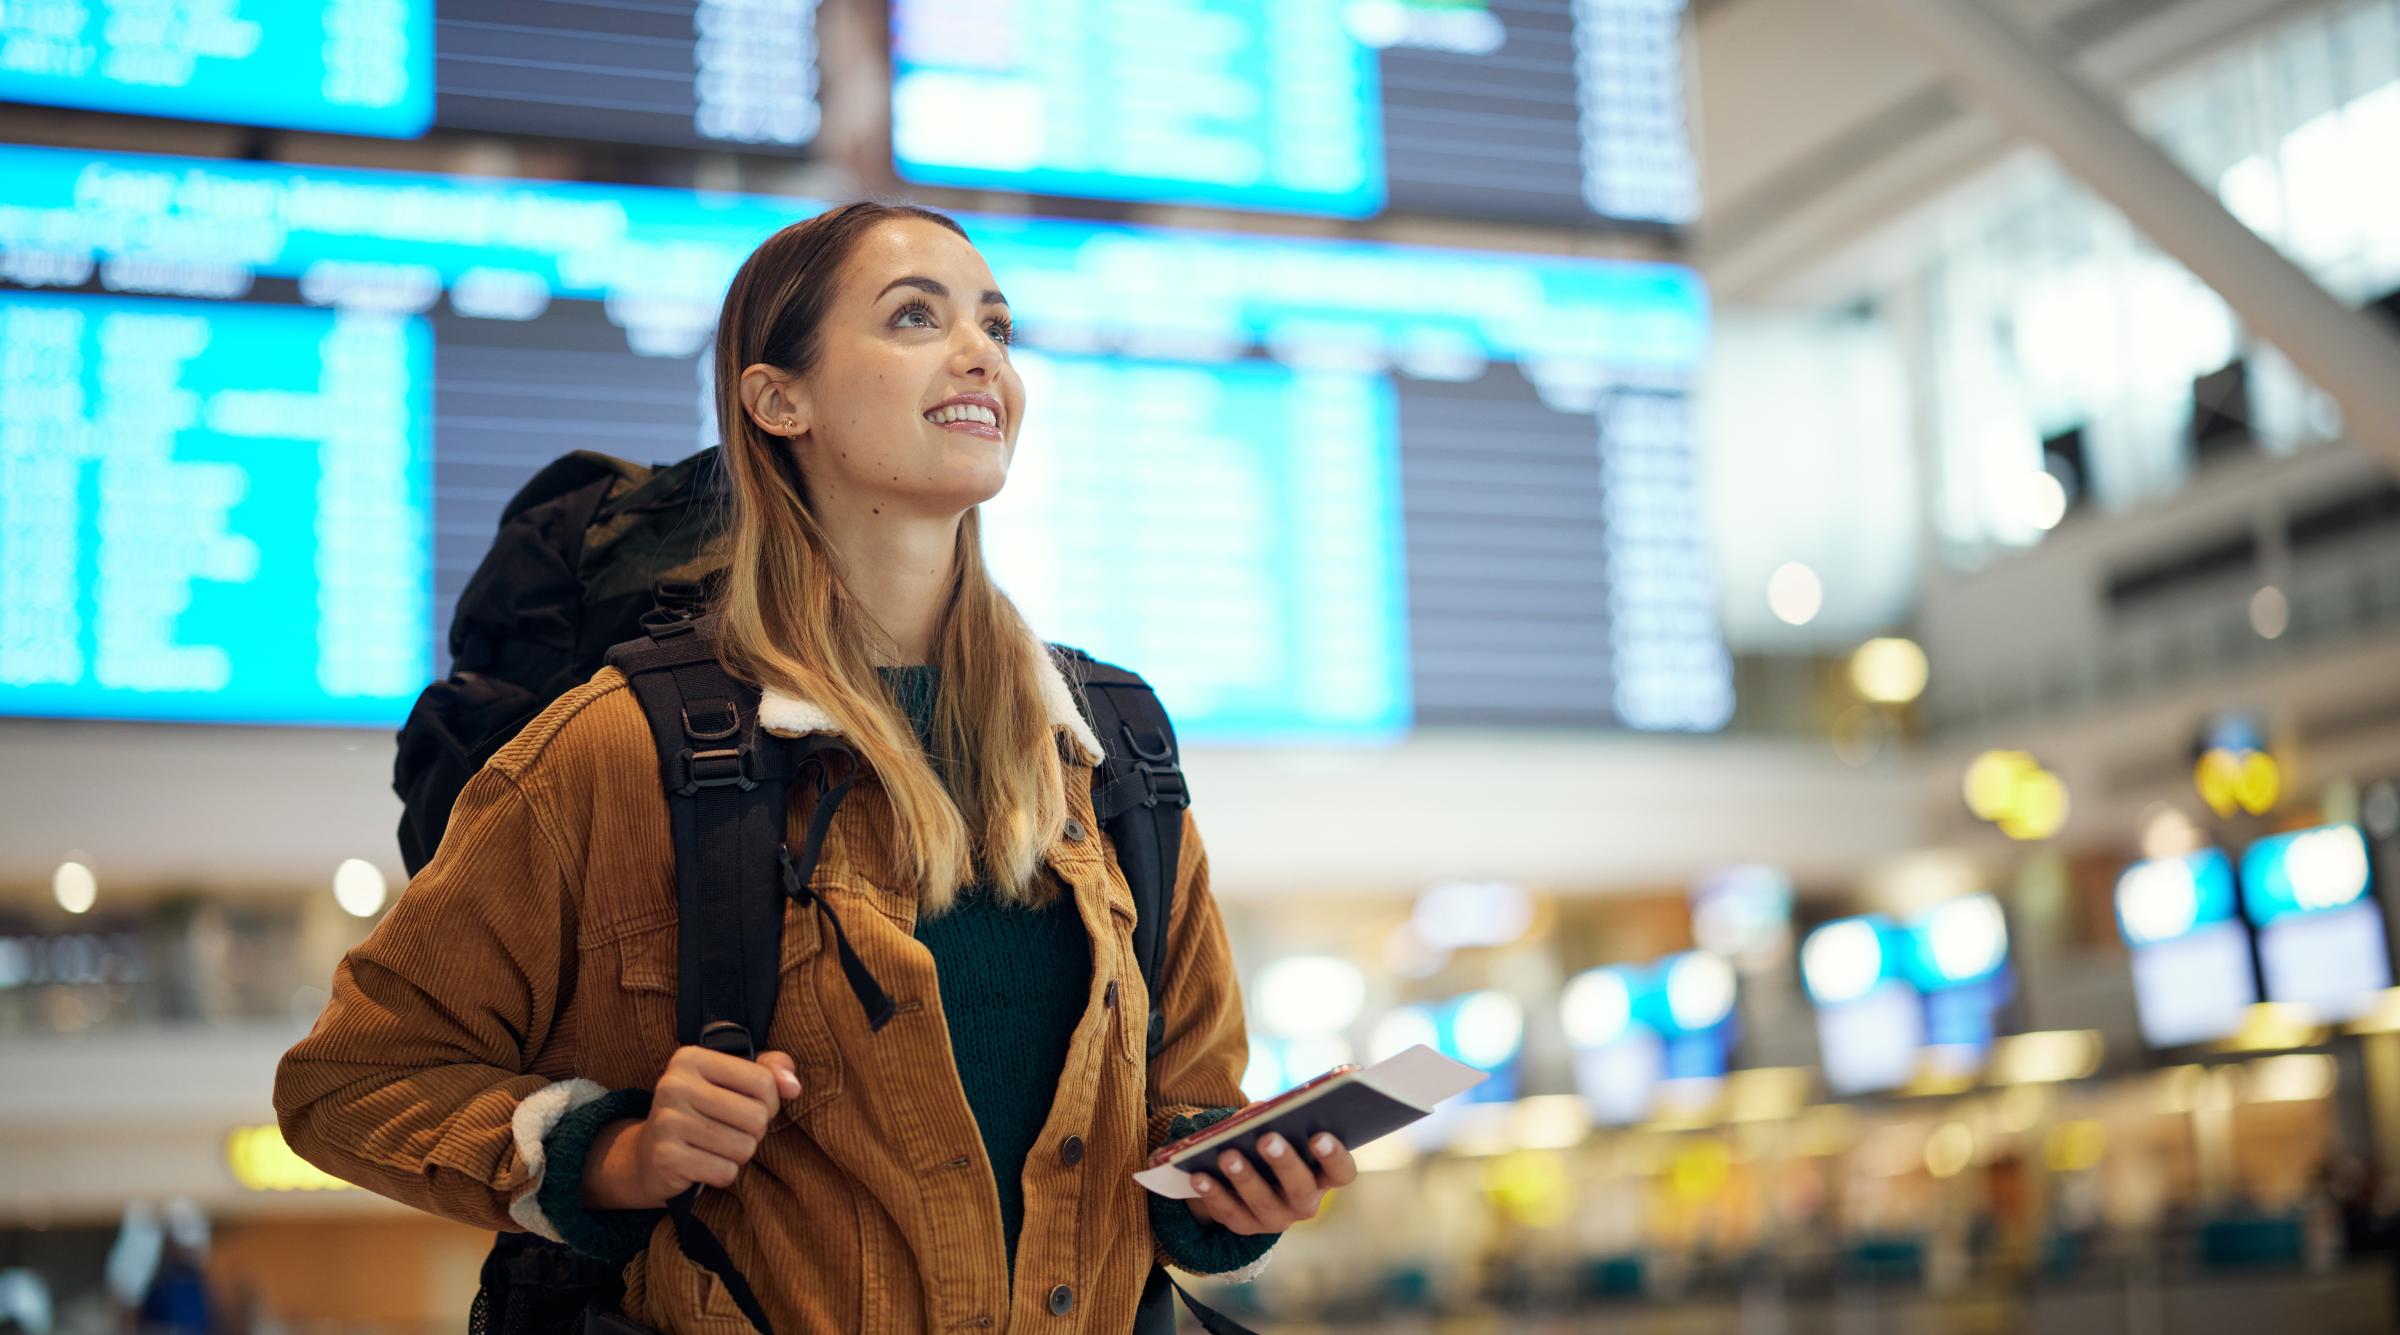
(647, 980)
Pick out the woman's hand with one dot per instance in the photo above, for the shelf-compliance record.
(1270, 1202)
(707, 1115)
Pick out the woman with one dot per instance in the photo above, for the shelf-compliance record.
(502, 1049)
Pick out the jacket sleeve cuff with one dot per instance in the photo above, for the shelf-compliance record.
(1193, 1245)
(564, 1126)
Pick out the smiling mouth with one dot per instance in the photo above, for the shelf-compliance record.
(968, 419)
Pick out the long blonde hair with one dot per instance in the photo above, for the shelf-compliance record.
(991, 795)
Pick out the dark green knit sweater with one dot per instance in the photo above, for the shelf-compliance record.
(1014, 982)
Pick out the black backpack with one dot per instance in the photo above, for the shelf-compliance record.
(603, 561)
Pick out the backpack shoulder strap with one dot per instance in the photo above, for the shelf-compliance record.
(726, 781)
(1138, 796)
(727, 784)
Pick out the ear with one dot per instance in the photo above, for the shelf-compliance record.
(775, 400)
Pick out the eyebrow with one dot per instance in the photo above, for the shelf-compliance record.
(991, 296)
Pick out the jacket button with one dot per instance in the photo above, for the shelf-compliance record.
(1075, 831)
(1108, 995)
(1070, 1151)
(1062, 1300)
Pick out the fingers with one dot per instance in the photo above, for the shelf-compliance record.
(739, 1074)
(1295, 1181)
(787, 1075)
(722, 1105)
(1216, 1205)
(681, 1127)
(1335, 1167)
(1261, 1198)
(686, 1164)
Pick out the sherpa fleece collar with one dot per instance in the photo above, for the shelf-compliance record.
(790, 716)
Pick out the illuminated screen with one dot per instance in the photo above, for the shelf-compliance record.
(1872, 1043)
(1328, 489)
(2320, 927)
(724, 74)
(1548, 110)
(2333, 963)
(2192, 971)
(2194, 989)
(349, 66)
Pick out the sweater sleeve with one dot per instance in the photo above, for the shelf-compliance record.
(607, 1235)
(1192, 1244)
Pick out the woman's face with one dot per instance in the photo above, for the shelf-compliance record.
(912, 407)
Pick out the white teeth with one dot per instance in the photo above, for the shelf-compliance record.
(963, 412)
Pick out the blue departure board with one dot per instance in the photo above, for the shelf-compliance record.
(1544, 110)
(1313, 488)
(1250, 477)
(211, 510)
(348, 66)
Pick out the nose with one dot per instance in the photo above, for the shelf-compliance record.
(977, 354)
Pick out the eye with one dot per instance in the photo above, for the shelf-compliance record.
(1003, 331)
(916, 308)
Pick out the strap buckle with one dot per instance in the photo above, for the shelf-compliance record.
(719, 767)
(1163, 783)
(1154, 760)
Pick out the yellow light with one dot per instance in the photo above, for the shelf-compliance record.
(260, 1161)
(1766, 1093)
(1700, 1170)
(2076, 1146)
(1889, 671)
(1550, 1121)
(2259, 785)
(2215, 778)
(2381, 1018)
(2039, 809)
(1991, 784)
(2300, 1077)
(1530, 1186)
(2013, 791)
(75, 887)
(2046, 1057)
(1949, 1150)
(2270, 1026)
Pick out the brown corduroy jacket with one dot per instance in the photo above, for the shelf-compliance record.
(531, 966)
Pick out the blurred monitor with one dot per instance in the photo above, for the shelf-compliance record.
(2310, 894)
(709, 74)
(1634, 1026)
(1619, 1080)
(1873, 1042)
(2195, 988)
(347, 66)
(1542, 110)
(1370, 492)
(1958, 959)
(712, 74)
(2192, 971)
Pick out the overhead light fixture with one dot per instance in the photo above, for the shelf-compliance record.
(75, 887)
(1794, 594)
